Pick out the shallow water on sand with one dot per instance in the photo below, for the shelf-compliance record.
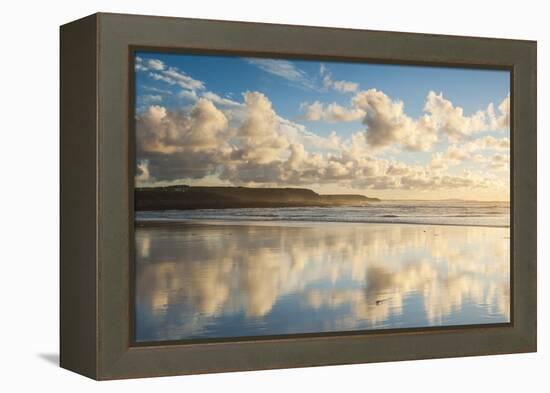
(226, 280)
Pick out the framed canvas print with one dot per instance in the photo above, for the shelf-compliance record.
(240, 196)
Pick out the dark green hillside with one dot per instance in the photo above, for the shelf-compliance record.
(186, 197)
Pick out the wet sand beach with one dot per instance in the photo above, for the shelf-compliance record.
(215, 280)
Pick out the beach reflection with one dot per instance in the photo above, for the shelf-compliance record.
(198, 281)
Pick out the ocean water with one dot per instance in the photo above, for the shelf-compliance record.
(493, 214)
(257, 272)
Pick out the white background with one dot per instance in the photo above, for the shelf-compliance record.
(29, 168)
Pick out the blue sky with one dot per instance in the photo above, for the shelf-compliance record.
(367, 95)
(229, 76)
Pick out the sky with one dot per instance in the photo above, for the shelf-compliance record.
(388, 131)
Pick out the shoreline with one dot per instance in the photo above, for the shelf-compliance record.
(288, 223)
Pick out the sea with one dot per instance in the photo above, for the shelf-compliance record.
(446, 212)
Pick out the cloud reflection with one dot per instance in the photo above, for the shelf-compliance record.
(238, 280)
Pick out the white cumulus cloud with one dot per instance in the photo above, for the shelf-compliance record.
(342, 86)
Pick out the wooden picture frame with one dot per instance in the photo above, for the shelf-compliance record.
(97, 169)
